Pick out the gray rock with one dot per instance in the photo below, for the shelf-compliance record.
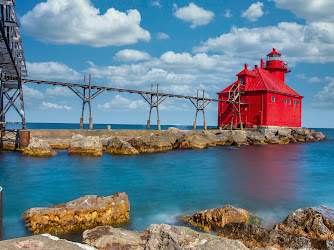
(256, 138)
(171, 237)
(90, 145)
(117, 145)
(223, 138)
(315, 222)
(107, 237)
(310, 138)
(320, 136)
(43, 241)
(39, 148)
(154, 142)
(240, 137)
(254, 236)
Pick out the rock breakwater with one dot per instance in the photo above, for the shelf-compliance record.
(131, 142)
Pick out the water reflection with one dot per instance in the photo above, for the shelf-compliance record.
(265, 174)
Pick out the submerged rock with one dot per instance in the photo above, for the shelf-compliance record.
(80, 214)
(107, 237)
(90, 145)
(217, 218)
(38, 148)
(254, 236)
(167, 237)
(117, 145)
(315, 222)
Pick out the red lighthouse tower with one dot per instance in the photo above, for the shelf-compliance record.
(265, 98)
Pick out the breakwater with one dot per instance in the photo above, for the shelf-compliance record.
(129, 142)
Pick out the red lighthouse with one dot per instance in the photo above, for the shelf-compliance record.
(261, 97)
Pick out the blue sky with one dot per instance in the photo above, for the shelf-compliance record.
(181, 45)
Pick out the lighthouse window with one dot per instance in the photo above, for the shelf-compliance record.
(242, 81)
(294, 102)
(289, 101)
(298, 103)
(286, 100)
(273, 98)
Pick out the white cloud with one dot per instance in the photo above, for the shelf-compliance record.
(121, 103)
(298, 43)
(195, 15)
(156, 3)
(162, 36)
(314, 79)
(31, 93)
(325, 97)
(79, 22)
(254, 12)
(228, 14)
(130, 55)
(52, 71)
(59, 91)
(49, 105)
(313, 10)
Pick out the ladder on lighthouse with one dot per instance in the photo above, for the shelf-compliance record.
(234, 96)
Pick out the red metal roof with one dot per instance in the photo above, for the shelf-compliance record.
(274, 52)
(265, 81)
(246, 72)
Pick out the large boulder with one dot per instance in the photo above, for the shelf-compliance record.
(240, 137)
(256, 138)
(117, 145)
(167, 237)
(254, 236)
(90, 145)
(39, 148)
(154, 142)
(315, 222)
(217, 218)
(107, 237)
(78, 215)
(200, 139)
(42, 242)
(320, 136)
(223, 138)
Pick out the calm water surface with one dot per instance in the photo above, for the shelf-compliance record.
(270, 181)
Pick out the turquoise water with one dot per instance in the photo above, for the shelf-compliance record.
(270, 181)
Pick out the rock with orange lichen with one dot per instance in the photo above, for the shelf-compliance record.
(315, 222)
(86, 145)
(38, 148)
(78, 215)
(217, 218)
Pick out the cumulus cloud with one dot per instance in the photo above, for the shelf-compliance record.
(58, 91)
(162, 36)
(314, 10)
(325, 97)
(31, 93)
(79, 22)
(193, 14)
(156, 4)
(308, 43)
(49, 105)
(131, 55)
(121, 103)
(254, 12)
(228, 14)
(53, 71)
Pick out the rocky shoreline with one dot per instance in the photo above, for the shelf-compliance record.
(229, 227)
(132, 142)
